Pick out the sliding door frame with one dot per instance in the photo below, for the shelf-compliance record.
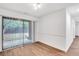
(18, 19)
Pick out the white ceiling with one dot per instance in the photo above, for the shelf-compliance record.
(27, 8)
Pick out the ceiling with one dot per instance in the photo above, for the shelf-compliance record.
(27, 8)
(74, 12)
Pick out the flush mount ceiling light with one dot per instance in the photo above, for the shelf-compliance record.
(36, 6)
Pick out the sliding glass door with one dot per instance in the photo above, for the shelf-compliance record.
(27, 32)
(16, 32)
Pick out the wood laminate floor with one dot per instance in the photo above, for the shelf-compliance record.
(40, 49)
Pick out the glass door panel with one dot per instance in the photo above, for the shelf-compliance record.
(7, 33)
(27, 32)
(18, 33)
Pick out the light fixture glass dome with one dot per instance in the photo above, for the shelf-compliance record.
(36, 6)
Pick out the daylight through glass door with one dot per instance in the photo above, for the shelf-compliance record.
(16, 32)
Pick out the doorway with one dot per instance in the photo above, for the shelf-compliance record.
(15, 32)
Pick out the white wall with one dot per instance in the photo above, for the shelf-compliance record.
(70, 29)
(77, 29)
(73, 27)
(51, 29)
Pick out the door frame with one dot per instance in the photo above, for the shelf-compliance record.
(18, 19)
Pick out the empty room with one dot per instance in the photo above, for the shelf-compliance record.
(39, 29)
